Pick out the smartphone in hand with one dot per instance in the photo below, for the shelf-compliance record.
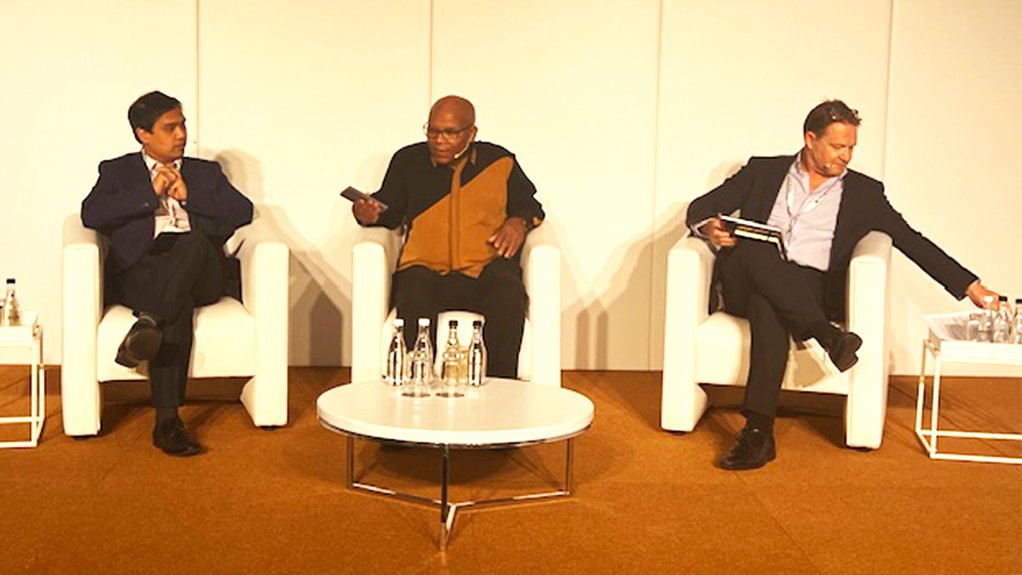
(355, 195)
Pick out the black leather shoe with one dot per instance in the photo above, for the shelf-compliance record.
(141, 343)
(173, 439)
(841, 349)
(753, 449)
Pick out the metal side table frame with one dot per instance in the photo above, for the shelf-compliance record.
(928, 436)
(28, 335)
(449, 509)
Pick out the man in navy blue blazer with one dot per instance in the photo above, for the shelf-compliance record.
(167, 218)
(823, 209)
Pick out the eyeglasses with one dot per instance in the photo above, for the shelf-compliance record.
(448, 134)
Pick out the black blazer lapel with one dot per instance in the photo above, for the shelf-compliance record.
(768, 185)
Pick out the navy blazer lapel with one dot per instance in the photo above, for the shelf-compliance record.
(138, 174)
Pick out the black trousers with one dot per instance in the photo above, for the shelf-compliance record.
(781, 300)
(498, 294)
(179, 273)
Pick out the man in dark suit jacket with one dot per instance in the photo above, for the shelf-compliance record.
(823, 210)
(167, 218)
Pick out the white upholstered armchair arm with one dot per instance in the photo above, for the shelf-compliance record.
(689, 270)
(265, 267)
(373, 260)
(541, 273)
(82, 306)
(868, 296)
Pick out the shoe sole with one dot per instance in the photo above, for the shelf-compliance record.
(138, 347)
(188, 452)
(845, 357)
(727, 467)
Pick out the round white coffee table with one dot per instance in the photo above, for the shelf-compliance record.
(501, 413)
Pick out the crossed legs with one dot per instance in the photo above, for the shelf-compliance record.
(782, 301)
(179, 273)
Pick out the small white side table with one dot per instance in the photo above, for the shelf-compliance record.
(944, 345)
(28, 335)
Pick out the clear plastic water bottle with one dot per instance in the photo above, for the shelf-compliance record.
(1002, 321)
(397, 356)
(986, 321)
(11, 315)
(452, 360)
(477, 356)
(422, 362)
(1016, 322)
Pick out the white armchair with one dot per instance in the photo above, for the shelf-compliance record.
(231, 339)
(714, 348)
(374, 258)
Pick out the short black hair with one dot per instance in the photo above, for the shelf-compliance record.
(827, 113)
(148, 108)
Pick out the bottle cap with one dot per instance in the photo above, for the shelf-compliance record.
(1002, 298)
(477, 323)
(423, 321)
(988, 299)
(10, 280)
(399, 322)
(452, 324)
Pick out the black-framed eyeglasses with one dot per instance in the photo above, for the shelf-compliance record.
(449, 134)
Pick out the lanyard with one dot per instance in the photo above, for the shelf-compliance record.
(807, 205)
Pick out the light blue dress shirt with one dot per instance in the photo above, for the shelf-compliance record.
(807, 217)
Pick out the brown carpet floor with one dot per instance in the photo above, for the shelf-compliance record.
(646, 501)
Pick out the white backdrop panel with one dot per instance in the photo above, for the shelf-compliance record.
(570, 87)
(70, 71)
(737, 79)
(298, 101)
(954, 144)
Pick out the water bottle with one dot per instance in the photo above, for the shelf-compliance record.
(986, 321)
(1002, 321)
(11, 314)
(452, 360)
(477, 356)
(1016, 323)
(397, 355)
(422, 362)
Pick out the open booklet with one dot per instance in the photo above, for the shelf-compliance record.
(756, 231)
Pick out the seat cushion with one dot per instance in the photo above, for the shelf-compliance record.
(723, 342)
(224, 343)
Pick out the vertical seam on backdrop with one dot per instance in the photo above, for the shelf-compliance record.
(429, 64)
(887, 91)
(656, 164)
(198, 116)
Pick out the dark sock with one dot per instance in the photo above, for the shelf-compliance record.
(165, 414)
(824, 332)
(759, 421)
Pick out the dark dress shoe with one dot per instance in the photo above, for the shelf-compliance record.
(173, 439)
(141, 343)
(841, 349)
(753, 449)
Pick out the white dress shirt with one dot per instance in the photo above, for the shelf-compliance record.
(171, 217)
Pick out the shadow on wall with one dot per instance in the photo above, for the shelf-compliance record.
(626, 273)
(318, 290)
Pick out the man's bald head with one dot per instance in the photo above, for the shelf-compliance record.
(451, 129)
(456, 105)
